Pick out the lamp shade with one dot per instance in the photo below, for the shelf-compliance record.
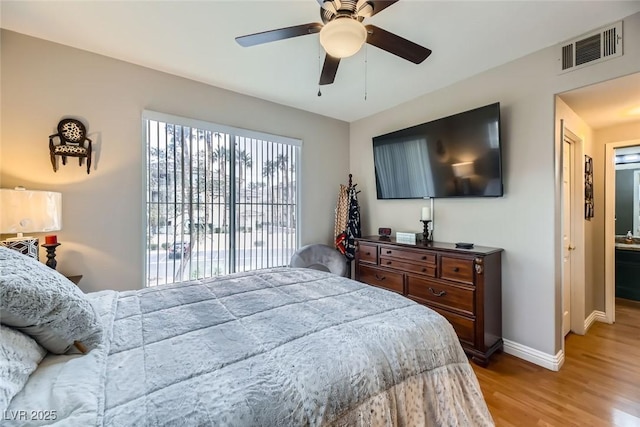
(343, 37)
(27, 211)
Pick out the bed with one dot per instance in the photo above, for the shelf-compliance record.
(276, 347)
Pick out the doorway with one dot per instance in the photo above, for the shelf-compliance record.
(601, 114)
(610, 225)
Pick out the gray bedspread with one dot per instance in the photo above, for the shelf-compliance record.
(279, 347)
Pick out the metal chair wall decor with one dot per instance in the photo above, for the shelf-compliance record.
(73, 143)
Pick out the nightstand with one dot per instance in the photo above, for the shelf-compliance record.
(75, 279)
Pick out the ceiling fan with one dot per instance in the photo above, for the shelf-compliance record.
(342, 34)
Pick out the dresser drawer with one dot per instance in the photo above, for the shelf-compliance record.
(465, 327)
(426, 269)
(456, 269)
(368, 253)
(447, 296)
(408, 255)
(382, 278)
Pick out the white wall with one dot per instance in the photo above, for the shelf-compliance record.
(102, 234)
(525, 222)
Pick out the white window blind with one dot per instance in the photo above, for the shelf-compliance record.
(218, 199)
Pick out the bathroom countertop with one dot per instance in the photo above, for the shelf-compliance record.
(628, 246)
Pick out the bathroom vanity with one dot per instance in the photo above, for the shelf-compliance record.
(627, 270)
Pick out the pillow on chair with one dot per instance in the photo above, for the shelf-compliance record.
(320, 257)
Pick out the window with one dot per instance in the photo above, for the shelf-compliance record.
(218, 199)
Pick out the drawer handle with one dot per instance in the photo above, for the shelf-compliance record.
(424, 270)
(456, 269)
(389, 262)
(438, 294)
(380, 278)
(368, 253)
(388, 252)
(424, 258)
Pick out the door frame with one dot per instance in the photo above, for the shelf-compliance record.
(577, 232)
(609, 226)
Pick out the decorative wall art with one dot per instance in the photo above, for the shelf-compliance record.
(588, 187)
(73, 143)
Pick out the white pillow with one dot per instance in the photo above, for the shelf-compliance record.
(45, 305)
(19, 357)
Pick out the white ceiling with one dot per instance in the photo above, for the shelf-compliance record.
(608, 103)
(196, 40)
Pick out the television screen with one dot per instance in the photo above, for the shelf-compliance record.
(456, 156)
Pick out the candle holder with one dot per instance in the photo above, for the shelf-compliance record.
(51, 254)
(427, 234)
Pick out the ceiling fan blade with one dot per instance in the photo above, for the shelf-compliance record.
(279, 34)
(380, 5)
(329, 70)
(396, 45)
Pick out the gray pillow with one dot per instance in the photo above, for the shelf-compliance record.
(19, 357)
(45, 305)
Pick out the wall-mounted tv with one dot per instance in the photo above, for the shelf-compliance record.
(455, 156)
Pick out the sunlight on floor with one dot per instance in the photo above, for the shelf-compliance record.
(622, 419)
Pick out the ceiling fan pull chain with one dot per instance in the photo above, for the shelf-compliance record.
(366, 50)
(319, 66)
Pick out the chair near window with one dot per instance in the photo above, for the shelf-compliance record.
(320, 257)
(73, 143)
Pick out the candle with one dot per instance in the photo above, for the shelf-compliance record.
(51, 240)
(426, 214)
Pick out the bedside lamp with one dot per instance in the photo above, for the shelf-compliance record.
(26, 211)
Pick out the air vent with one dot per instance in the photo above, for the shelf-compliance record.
(591, 48)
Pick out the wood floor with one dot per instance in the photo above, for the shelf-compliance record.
(598, 385)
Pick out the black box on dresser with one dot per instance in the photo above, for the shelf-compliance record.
(463, 285)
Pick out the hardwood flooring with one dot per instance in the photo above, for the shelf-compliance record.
(598, 385)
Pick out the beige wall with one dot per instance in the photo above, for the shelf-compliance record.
(525, 222)
(42, 82)
(617, 133)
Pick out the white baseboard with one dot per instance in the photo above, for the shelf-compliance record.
(548, 361)
(595, 315)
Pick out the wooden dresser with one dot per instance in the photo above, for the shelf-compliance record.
(464, 285)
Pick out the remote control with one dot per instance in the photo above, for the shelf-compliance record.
(464, 245)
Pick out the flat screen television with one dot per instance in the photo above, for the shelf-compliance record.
(455, 156)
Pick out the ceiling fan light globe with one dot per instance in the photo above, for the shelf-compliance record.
(343, 37)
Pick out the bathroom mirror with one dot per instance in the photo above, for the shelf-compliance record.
(628, 190)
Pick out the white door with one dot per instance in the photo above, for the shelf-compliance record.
(567, 246)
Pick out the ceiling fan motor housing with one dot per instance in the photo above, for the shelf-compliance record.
(360, 9)
(356, 9)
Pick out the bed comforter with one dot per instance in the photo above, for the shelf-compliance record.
(279, 347)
